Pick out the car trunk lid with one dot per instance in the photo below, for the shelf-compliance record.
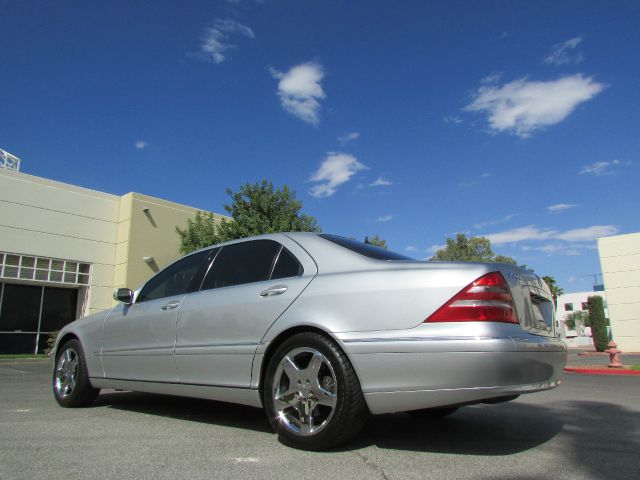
(533, 301)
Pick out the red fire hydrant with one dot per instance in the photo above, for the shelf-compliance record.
(614, 355)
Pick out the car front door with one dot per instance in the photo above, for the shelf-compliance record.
(249, 285)
(138, 340)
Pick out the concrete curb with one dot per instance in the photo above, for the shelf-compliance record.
(601, 371)
(604, 354)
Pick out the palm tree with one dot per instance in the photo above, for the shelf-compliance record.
(556, 291)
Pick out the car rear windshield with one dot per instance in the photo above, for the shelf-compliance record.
(365, 249)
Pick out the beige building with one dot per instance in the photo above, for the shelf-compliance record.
(620, 262)
(63, 249)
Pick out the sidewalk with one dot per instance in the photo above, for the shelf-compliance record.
(587, 360)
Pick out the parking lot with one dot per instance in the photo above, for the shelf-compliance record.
(589, 427)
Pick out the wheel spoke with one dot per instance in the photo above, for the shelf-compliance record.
(313, 369)
(291, 369)
(285, 399)
(326, 398)
(306, 419)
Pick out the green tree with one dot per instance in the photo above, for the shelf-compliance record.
(199, 232)
(598, 323)
(255, 209)
(556, 291)
(377, 241)
(470, 249)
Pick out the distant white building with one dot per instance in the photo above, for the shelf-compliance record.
(576, 302)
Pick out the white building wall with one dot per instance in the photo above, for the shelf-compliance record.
(576, 299)
(620, 262)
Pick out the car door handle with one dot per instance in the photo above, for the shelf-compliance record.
(277, 290)
(170, 306)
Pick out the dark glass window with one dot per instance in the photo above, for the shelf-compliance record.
(365, 249)
(568, 307)
(20, 308)
(176, 279)
(286, 266)
(58, 308)
(584, 305)
(241, 263)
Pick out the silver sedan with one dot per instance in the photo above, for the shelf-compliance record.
(320, 331)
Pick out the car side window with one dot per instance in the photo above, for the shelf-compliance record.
(240, 263)
(286, 266)
(176, 279)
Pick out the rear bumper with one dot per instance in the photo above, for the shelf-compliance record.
(414, 372)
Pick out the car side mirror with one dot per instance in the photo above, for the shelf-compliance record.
(123, 295)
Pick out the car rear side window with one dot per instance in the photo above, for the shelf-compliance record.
(240, 263)
(365, 249)
(176, 279)
(286, 266)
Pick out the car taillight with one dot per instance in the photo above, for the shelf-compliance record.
(488, 299)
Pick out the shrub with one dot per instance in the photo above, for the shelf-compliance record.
(598, 323)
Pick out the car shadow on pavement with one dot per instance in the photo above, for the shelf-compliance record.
(190, 409)
(593, 436)
(474, 430)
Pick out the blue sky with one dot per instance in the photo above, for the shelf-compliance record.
(412, 120)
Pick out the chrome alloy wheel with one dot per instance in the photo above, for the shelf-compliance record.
(66, 373)
(304, 391)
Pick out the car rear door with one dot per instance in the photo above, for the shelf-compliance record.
(248, 286)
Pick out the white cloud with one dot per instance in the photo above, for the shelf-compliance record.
(492, 78)
(470, 183)
(215, 39)
(561, 207)
(564, 53)
(336, 169)
(381, 182)
(587, 234)
(348, 137)
(531, 232)
(140, 144)
(567, 250)
(504, 219)
(434, 248)
(412, 248)
(523, 106)
(385, 218)
(454, 119)
(600, 168)
(300, 90)
(520, 234)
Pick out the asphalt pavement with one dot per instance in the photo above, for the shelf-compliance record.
(588, 428)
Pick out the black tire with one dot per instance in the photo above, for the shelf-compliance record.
(349, 412)
(71, 385)
(432, 413)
